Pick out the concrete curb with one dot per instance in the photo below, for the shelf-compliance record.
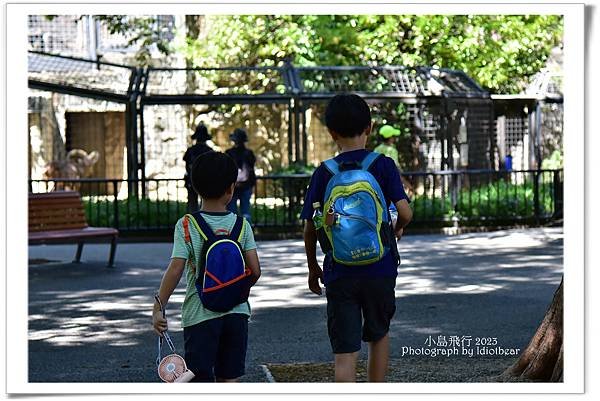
(267, 373)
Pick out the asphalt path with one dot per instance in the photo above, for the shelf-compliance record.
(89, 323)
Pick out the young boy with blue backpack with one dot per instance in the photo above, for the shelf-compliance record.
(216, 251)
(347, 210)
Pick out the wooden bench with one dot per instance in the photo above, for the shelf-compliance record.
(58, 217)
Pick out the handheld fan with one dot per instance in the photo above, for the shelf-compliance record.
(171, 368)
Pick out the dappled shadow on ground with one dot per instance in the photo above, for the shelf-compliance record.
(91, 323)
(97, 321)
(75, 304)
(472, 264)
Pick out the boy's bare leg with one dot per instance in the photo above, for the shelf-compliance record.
(379, 352)
(345, 367)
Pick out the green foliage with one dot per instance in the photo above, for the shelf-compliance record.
(396, 115)
(151, 214)
(133, 213)
(498, 200)
(295, 168)
(503, 200)
(500, 51)
(555, 161)
(143, 31)
(426, 208)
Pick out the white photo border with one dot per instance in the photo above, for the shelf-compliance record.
(16, 179)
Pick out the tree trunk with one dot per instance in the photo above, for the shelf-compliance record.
(542, 360)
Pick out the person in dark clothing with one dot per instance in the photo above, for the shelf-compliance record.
(200, 135)
(360, 298)
(245, 160)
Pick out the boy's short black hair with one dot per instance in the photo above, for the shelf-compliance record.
(213, 173)
(348, 115)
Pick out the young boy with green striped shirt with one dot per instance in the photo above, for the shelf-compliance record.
(215, 342)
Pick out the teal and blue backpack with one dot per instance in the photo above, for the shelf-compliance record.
(223, 279)
(361, 232)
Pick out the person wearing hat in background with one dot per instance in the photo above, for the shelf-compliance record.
(200, 135)
(245, 160)
(387, 147)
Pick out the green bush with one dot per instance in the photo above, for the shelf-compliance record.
(151, 214)
(502, 200)
(554, 161)
(134, 213)
(497, 200)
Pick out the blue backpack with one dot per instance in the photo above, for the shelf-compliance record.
(357, 224)
(223, 279)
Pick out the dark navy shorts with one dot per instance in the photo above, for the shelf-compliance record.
(217, 347)
(359, 308)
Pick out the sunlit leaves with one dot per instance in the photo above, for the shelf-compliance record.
(501, 52)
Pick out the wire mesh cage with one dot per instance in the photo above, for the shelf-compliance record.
(179, 83)
(423, 102)
(390, 80)
(448, 121)
(323, 80)
(109, 41)
(64, 34)
(47, 71)
(87, 36)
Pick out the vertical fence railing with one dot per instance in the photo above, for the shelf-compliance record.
(442, 198)
(486, 197)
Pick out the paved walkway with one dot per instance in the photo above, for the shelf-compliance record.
(97, 320)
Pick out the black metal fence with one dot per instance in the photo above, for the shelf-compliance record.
(444, 198)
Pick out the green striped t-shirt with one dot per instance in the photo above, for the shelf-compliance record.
(192, 310)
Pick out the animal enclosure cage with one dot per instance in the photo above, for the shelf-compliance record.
(449, 121)
(99, 82)
(431, 104)
(85, 35)
(528, 130)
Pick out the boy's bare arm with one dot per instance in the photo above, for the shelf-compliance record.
(167, 286)
(310, 246)
(404, 216)
(252, 262)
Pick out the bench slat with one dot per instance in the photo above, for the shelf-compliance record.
(55, 205)
(54, 226)
(55, 222)
(55, 210)
(43, 198)
(72, 234)
(50, 227)
(55, 194)
(65, 213)
(64, 199)
(59, 216)
(58, 210)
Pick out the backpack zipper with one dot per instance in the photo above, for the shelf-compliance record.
(364, 220)
(357, 217)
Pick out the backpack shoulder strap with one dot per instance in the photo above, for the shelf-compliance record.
(369, 160)
(202, 226)
(237, 230)
(332, 166)
(188, 241)
(186, 229)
